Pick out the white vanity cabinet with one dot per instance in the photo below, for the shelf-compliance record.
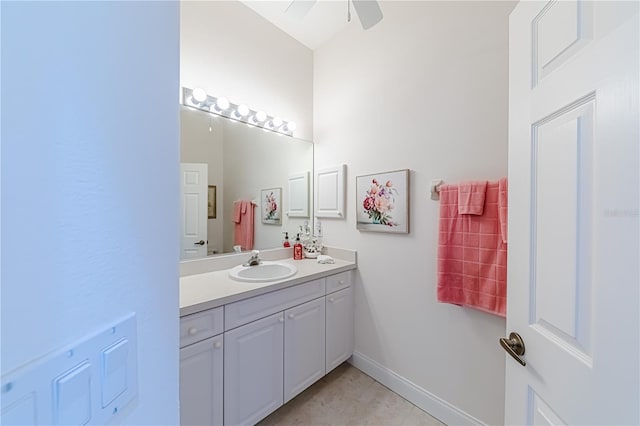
(304, 341)
(201, 368)
(339, 312)
(253, 370)
(275, 346)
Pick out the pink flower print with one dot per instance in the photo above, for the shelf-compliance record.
(381, 204)
(388, 184)
(368, 203)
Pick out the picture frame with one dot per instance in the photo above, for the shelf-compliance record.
(271, 206)
(211, 202)
(383, 202)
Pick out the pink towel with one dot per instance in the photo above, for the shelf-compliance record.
(471, 197)
(243, 218)
(472, 258)
(503, 203)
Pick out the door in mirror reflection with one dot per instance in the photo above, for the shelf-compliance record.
(193, 211)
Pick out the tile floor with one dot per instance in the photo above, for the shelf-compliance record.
(346, 397)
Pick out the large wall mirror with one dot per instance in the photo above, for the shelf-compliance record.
(239, 162)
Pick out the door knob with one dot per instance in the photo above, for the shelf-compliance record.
(514, 346)
(199, 243)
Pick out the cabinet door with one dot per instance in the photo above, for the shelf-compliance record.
(201, 382)
(339, 327)
(304, 355)
(253, 370)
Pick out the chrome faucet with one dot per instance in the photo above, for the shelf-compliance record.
(254, 260)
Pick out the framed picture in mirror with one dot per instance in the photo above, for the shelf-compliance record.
(211, 202)
(271, 206)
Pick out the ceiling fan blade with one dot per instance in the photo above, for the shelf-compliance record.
(368, 11)
(299, 8)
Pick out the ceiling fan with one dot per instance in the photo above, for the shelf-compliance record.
(368, 11)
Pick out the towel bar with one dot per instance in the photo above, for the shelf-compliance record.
(435, 188)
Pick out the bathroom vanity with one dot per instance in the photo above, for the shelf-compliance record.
(247, 348)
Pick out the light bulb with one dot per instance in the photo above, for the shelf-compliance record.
(276, 122)
(222, 103)
(260, 116)
(242, 111)
(199, 95)
(290, 126)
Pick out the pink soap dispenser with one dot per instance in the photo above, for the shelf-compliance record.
(297, 249)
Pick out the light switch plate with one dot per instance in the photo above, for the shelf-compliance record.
(88, 382)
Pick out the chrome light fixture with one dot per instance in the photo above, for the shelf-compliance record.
(199, 99)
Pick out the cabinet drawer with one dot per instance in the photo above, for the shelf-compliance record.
(338, 281)
(245, 311)
(200, 326)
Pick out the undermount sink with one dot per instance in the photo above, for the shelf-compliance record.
(264, 272)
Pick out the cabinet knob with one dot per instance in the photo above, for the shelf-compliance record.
(341, 282)
(192, 331)
(290, 316)
(281, 319)
(217, 344)
(331, 299)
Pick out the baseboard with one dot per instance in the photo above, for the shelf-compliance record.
(437, 407)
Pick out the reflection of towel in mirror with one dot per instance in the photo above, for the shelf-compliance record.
(243, 217)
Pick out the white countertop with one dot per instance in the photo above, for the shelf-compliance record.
(207, 290)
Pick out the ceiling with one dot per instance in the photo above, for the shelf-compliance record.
(325, 19)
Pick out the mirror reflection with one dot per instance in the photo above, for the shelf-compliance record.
(229, 168)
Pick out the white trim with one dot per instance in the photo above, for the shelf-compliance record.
(425, 400)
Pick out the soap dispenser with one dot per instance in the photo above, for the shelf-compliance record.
(286, 243)
(297, 249)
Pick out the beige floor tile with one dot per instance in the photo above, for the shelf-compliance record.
(417, 417)
(348, 397)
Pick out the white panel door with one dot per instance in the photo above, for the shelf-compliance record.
(339, 346)
(253, 370)
(303, 347)
(201, 376)
(573, 213)
(193, 211)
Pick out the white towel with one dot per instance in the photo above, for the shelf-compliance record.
(323, 258)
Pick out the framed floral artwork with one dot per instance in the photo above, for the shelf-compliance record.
(271, 206)
(383, 202)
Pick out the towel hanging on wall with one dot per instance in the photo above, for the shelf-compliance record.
(243, 218)
(472, 254)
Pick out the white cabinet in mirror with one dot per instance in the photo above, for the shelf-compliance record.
(241, 161)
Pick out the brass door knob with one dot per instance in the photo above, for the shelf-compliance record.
(514, 346)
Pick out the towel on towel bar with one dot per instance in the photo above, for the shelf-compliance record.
(503, 199)
(472, 257)
(471, 197)
(243, 218)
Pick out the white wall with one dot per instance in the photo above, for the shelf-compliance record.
(229, 50)
(426, 89)
(88, 171)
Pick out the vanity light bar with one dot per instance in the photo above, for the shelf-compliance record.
(199, 99)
